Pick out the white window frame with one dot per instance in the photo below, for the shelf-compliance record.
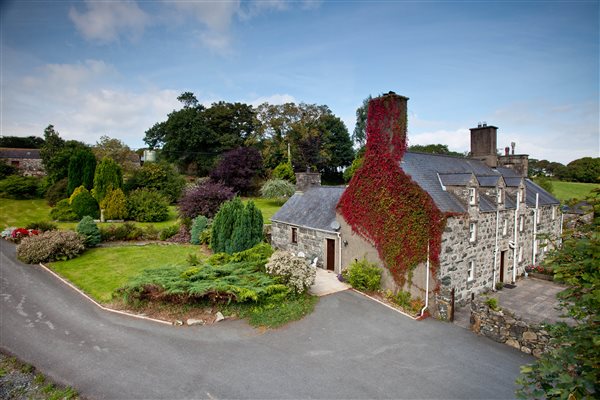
(472, 196)
(553, 213)
(521, 223)
(505, 227)
(472, 232)
(522, 194)
(471, 271)
(294, 238)
(500, 196)
(536, 245)
(538, 215)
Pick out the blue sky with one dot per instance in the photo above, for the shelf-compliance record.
(115, 68)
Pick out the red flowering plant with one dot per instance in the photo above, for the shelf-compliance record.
(539, 269)
(18, 233)
(383, 204)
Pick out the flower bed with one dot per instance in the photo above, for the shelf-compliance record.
(16, 234)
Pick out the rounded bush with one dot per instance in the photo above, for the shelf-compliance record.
(204, 199)
(83, 203)
(114, 205)
(145, 205)
(42, 226)
(56, 192)
(277, 189)
(50, 246)
(89, 230)
(294, 271)
(199, 225)
(363, 275)
(19, 187)
(284, 171)
(63, 211)
(161, 176)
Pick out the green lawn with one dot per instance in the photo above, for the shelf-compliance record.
(19, 213)
(568, 190)
(100, 271)
(268, 207)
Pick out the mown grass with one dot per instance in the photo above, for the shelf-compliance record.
(569, 190)
(268, 207)
(19, 213)
(100, 271)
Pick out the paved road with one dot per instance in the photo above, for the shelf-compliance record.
(350, 347)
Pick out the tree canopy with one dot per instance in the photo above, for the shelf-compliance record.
(19, 142)
(56, 154)
(434, 149)
(115, 149)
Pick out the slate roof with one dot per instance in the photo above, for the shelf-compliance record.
(545, 198)
(488, 180)
(6, 152)
(314, 208)
(455, 179)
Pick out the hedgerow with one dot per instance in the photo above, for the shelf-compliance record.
(50, 246)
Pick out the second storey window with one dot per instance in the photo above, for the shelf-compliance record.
(505, 227)
(553, 213)
(472, 196)
(538, 215)
(472, 232)
(294, 235)
(499, 198)
(471, 271)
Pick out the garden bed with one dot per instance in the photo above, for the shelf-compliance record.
(537, 275)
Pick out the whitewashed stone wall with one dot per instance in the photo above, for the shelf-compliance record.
(310, 241)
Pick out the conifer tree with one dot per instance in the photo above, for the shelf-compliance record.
(108, 177)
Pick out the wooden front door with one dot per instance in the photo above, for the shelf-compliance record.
(331, 254)
(502, 258)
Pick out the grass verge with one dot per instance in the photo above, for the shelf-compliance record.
(100, 271)
(20, 381)
(268, 207)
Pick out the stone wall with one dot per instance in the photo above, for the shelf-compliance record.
(505, 327)
(27, 166)
(311, 242)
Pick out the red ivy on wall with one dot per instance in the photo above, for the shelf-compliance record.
(383, 204)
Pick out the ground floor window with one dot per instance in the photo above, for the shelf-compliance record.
(294, 235)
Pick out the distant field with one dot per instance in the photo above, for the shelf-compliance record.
(568, 190)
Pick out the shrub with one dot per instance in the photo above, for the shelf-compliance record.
(284, 171)
(114, 205)
(145, 205)
(199, 225)
(108, 177)
(6, 169)
(19, 187)
(499, 285)
(78, 190)
(182, 235)
(259, 254)
(161, 177)
(16, 234)
(236, 227)
(363, 275)
(63, 211)
(83, 203)
(293, 271)
(204, 199)
(56, 192)
(89, 230)
(50, 246)
(492, 303)
(237, 168)
(42, 226)
(277, 189)
(356, 164)
(169, 232)
(128, 231)
(82, 166)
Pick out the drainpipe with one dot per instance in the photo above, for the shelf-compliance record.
(339, 235)
(495, 252)
(426, 283)
(535, 217)
(516, 244)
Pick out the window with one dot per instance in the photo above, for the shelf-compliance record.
(522, 194)
(520, 253)
(471, 271)
(294, 235)
(472, 231)
(505, 227)
(14, 163)
(499, 196)
(538, 215)
(521, 223)
(472, 196)
(553, 213)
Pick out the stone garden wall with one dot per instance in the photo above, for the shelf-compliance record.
(503, 326)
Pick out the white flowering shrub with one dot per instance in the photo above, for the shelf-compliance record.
(50, 246)
(295, 272)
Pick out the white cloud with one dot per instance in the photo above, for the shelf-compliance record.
(457, 140)
(105, 21)
(273, 99)
(215, 15)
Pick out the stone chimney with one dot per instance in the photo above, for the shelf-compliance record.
(307, 180)
(518, 162)
(483, 144)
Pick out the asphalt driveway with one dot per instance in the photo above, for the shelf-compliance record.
(350, 347)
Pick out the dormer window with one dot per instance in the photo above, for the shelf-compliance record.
(505, 227)
(521, 223)
(522, 194)
(499, 197)
(472, 196)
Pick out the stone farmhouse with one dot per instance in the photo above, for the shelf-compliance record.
(497, 222)
(28, 161)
